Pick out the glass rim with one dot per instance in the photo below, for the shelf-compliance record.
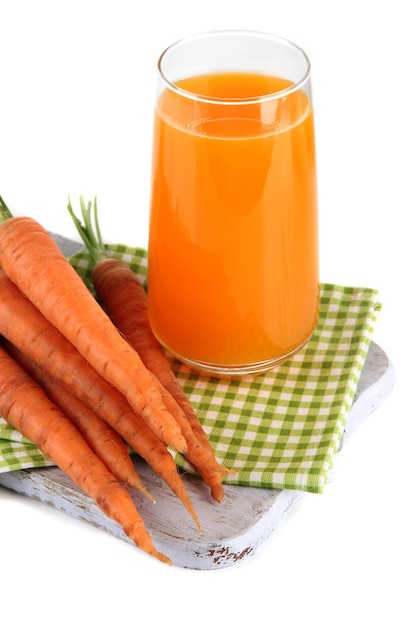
(192, 95)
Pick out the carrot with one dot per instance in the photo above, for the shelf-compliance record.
(24, 326)
(27, 408)
(102, 438)
(34, 262)
(125, 300)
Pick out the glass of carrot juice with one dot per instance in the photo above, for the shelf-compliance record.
(233, 276)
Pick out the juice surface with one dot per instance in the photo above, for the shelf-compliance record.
(233, 247)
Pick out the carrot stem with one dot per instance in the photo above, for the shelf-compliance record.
(5, 213)
(91, 235)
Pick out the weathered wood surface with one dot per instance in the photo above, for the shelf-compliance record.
(234, 529)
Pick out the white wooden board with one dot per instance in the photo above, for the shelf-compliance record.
(234, 529)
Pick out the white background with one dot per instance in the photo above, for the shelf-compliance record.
(76, 96)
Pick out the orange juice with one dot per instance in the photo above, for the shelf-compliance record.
(233, 247)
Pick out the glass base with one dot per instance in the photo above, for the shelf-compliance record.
(237, 371)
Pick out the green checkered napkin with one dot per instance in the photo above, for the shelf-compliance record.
(281, 429)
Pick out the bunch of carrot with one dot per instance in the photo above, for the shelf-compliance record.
(84, 379)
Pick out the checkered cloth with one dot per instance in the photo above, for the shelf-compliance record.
(281, 429)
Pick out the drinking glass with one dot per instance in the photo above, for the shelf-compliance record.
(233, 275)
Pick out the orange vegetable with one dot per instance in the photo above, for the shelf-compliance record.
(27, 408)
(102, 438)
(34, 262)
(125, 300)
(25, 327)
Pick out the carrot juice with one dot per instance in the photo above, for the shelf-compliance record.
(233, 280)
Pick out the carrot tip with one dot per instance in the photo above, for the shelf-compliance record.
(138, 486)
(162, 557)
(179, 444)
(197, 521)
(146, 493)
(217, 492)
(226, 470)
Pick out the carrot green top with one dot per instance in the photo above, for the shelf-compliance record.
(89, 230)
(5, 213)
